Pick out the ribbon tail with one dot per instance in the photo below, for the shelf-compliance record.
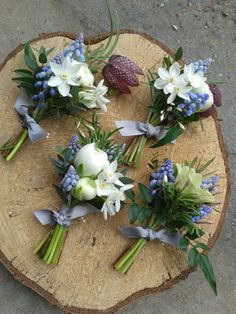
(82, 210)
(164, 236)
(134, 232)
(36, 132)
(129, 128)
(45, 217)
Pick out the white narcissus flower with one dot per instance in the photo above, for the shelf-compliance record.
(180, 90)
(66, 74)
(113, 203)
(85, 189)
(205, 89)
(169, 79)
(92, 159)
(85, 75)
(195, 79)
(93, 97)
(104, 188)
(111, 175)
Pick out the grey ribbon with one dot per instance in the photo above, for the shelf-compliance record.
(35, 131)
(149, 234)
(65, 215)
(136, 128)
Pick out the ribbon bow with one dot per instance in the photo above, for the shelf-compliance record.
(65, 215)
(149, 234)
(35, 131)
(134, 128)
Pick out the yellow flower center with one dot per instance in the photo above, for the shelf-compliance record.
(171, 80)
(103, 185)
(64, 75)
(177, 89)
(110, 175)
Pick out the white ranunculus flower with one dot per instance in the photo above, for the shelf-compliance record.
(93, 97)
(92, 159)
(85, 75)
(85, 189)
(65, 75)
(205, 89)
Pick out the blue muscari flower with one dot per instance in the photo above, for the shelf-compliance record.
(70, 179)
(38, 84)
(111, 152)
(202, 65)
(156, 179)
(74, 146)
(210, 183)
(203, 212)
(52, 91)
(196, 102)
(76, 49)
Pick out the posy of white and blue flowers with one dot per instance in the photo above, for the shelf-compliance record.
(89, 182)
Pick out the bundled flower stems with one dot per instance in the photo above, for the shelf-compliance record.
(171, 209)
(89, 183)
(179, 95)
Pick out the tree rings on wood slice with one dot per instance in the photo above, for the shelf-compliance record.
(84, 280)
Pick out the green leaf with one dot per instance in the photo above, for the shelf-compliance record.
(193, 257)
(184, 243)
(202, 246)
(145, 193)
(133, 212)
(49, 51)
(30, 58)
(31, 63)
(126, 180)
(179, 54)
(24, 73)
(130, 194)
(170, 136)
(42, 55)
(207, 269)
(207, 164)
(144, 215)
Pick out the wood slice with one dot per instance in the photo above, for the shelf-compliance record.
(84, 280)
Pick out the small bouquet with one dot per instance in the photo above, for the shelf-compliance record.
(61, 86)
(171, 210)
(180, 95)
(89, 183)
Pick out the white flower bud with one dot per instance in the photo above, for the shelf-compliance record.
(92, 159)
(204, 89)
(85, 189)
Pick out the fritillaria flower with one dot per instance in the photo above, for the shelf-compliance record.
(120, 73)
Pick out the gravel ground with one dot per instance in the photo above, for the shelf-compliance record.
(202, 28)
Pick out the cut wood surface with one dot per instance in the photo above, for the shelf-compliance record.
(85, 280)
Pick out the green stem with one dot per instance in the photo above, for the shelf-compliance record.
(41, 243)
(55, 244)
(59, 245)
(54, 236)
(140, 151)
(18, 145)
(126, 257)
(130, 261)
